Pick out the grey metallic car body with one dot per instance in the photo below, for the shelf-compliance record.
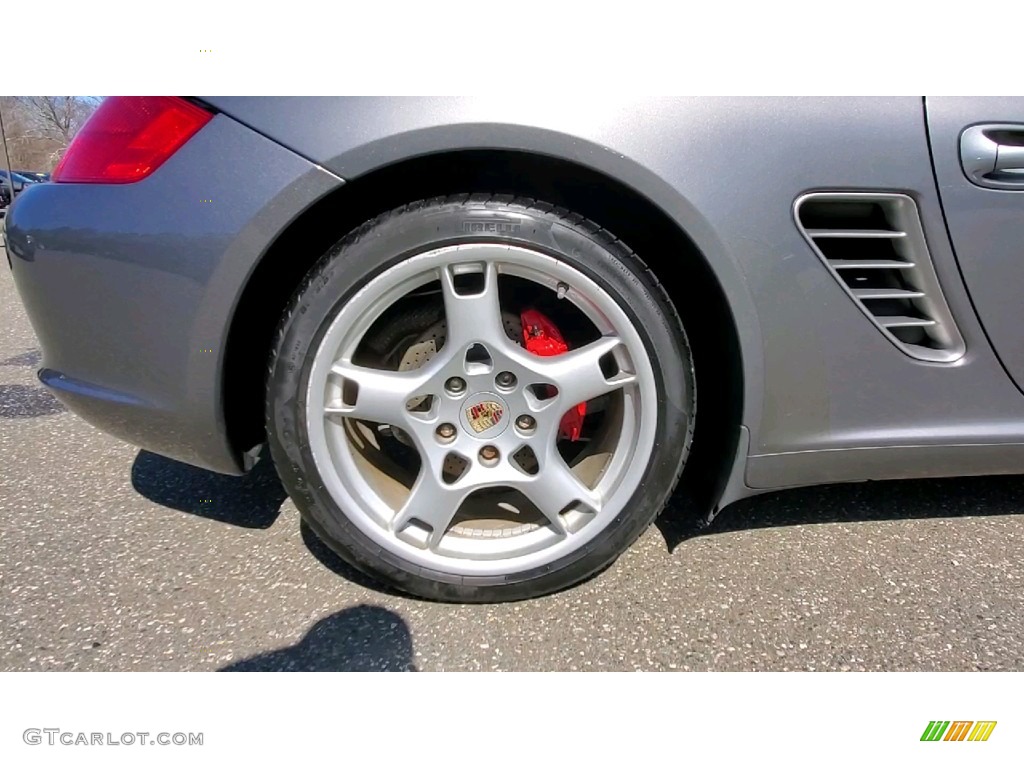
(133, 289)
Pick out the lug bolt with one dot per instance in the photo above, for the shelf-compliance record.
(505, 379)
(446, 431)
(455, 385)
(489, 454)
(526, 423)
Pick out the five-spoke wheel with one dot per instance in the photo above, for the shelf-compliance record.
(435, 434)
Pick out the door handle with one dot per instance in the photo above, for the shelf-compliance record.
(993, 155)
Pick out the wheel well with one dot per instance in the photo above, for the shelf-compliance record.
(618, 208)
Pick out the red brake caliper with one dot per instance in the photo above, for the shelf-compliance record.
(542, 337)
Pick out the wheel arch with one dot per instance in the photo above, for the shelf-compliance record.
(641, 209)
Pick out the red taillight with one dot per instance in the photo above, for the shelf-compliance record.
(128, 138)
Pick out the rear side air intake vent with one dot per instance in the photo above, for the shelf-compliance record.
(874, 246)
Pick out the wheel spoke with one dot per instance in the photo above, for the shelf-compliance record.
(433, 502)
(555, 487)
(380, 395)
(578, 374)
(473, 317)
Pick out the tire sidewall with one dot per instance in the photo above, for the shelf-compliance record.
(420, 227)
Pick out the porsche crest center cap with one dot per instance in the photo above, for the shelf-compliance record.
(485, 416)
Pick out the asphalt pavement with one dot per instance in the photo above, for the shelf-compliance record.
(111, 560)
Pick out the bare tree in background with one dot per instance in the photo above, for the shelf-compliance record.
(39, 128)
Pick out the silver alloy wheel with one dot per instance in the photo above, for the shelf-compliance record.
(494, 416)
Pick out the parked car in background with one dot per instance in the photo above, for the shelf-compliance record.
(19, 182)
(484, 337)
(34, 176)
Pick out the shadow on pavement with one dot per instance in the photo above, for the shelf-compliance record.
(254, 501)
(850, 503)
(20, 401)
(364, 638)
(250, 501)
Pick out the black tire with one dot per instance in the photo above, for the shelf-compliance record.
(428, 224)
